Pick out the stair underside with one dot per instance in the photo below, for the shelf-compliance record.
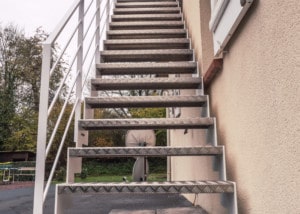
(146, 25)
(146, 17)
(128, 44)
(146, 4)
(92, 152)
(146, 83)
(193, 187)
(145, 101)
(146, 34)
(149, 123)
(150, 10)
(147, 68)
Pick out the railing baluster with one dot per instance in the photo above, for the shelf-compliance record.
(42, 131)
(79, 68)
(48, 68)
(98, 36)
(107, 13)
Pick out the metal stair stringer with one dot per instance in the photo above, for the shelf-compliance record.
(147, 39)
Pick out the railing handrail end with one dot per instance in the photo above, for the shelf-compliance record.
(53, 36)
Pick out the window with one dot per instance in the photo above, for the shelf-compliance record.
(218, 8)
(225, 18)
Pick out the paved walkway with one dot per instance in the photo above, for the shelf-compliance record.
(18, 199)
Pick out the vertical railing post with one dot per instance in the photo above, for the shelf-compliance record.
(107, 14)
(98, 36)
(42, 132)
(79, 67)
(74, 164)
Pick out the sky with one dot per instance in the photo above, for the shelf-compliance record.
(31, 14)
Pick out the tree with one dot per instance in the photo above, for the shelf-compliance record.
(20, 74)
(10, 39)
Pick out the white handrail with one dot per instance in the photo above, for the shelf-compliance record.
(60, 116)
(89, 47)
(64, 50)
(59, 150)
(88, 8)
(63, 82)
(82, 53)
(91, 22)
(56, 32)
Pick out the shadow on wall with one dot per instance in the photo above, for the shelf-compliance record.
(243, 204)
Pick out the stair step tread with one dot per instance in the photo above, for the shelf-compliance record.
(149, 10)
(146, 41)
(149, 187)
(146, 4)
(146, 25)
(146, 34)
(146, 101)
(147, 123)
(97, 152)
(146, 17)
(155, 55)
(146, 68)
(180, 210)
(136, 52)
(146, 83)
(122, 44)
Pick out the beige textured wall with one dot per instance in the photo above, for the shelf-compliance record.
(195, 168)
(198, 168)
(196, 11)
(256, 99)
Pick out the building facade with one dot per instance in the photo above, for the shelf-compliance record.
(255, 95)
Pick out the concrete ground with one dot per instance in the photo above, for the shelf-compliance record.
(19, 200)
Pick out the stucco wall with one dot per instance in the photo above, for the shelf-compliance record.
(256, 99)
(196, 11)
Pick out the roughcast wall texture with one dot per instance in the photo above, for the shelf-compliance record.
(256, 100)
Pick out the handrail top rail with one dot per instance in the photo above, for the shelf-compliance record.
(58, 29)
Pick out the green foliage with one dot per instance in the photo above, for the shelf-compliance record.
(106, 138)
(60, 131)
(20, 75)
(161, 135)
(147, 112)
(60, 174)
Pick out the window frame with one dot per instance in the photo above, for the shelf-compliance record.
(225, 18)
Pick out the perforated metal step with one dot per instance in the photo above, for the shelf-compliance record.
(92, 152)
(143, 44)
(147, 68)
(193, 187)
(147, 34)
(146, 25)
(146, 83)
(165, 55)
(149, 123)
(146, 4)
(150, 10)
(146, 17)
(145, 101)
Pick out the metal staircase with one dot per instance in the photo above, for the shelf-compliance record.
(146, 37)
